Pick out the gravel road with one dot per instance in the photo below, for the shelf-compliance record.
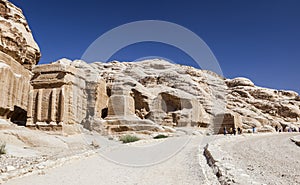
(271, 159)
(185, 167)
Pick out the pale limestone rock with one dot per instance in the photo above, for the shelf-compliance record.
(248, 123)
(150, 96)
(239, 82)
(97, 96)
(10, 168)
(262, 93)
(174, 96)
(289, 94)
(122, 115)
(263, 121)
(16, 38)
(267, 106)
(266, 128)
(157, 93)
(288, 111)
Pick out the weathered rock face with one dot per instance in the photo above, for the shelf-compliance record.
(261, 107)
(156, 95)
(16, 38)
(145, 96)
(142, 97)
(239, 82)
(168, 95)
(14, 88)
(18, 53)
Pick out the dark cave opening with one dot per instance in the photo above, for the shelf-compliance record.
(19, 116)
(104, 113)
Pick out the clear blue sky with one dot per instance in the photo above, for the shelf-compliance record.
(257, 39)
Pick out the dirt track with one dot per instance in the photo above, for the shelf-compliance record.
(183, 168)
(270, 159)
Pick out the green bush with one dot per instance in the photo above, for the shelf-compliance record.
(129, 139)
(2, 148)
(160, 136)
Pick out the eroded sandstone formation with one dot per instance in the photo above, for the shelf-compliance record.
(262, 107)
(16, 38)
(168, 96)
(116, 97)
(153, 95)
(14, 88)
(18, 53)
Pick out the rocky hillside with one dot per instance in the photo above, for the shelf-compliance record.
(146, 96)
(175, 95)
(262, 106)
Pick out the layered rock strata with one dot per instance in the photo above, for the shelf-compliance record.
(116, 97)
(16, 37)
(14, 88)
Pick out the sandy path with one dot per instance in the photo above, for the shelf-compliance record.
(183, 168)
(271, 159)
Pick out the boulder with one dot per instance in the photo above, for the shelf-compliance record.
(266, 128)
(239, 82)
(250, 122)
(264, 94)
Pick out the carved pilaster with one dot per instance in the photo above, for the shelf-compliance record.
(53, 107)
(61, 106)
(29, 109)
(39, 104)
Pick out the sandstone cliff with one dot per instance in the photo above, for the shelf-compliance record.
(175, 95)
(154, 95)
(14, 89)
(116, 97)
(16, 38)
(18, 54)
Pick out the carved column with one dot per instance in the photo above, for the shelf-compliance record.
(16, 91)
(21, 88)
(29, 109)
(61, 106)
(39, 105)
(10, 89)
(53, 108)
(3, 93)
